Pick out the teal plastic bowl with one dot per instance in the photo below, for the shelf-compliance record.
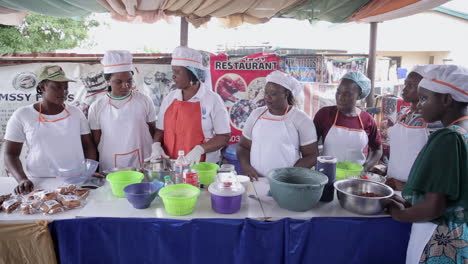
(296, 189)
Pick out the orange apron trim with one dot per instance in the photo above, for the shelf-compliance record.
(42, 119)
(183, 128)
(408, 126)
(347, 128)
(459, 119)
(273, 119)
(128, 153)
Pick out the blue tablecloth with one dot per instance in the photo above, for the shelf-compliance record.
(318, 240)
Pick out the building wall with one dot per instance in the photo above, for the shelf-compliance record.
(426, 34)
(411, 58)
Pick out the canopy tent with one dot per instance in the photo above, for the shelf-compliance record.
(232, 12)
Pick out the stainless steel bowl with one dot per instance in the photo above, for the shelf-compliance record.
(348, 192)
(157, 169)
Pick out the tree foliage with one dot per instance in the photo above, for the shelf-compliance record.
(40, 33)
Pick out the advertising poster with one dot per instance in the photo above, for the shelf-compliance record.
(240, 84)
(318, 95)
(304, 69)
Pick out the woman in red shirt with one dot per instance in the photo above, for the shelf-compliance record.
(346, 130)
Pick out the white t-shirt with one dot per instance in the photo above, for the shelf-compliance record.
(25, 119)
(56, 144)
(137, 97)
(297, 123)
(215, 118)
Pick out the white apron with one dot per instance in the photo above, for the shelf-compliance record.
(346, 144)
(405, 144)
(272, 146)
(420, 235)
(125, 139)
(55, 143)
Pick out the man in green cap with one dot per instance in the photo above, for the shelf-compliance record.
(58, 136)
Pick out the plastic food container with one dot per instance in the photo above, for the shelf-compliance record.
(179, 199)
(348, 169)
(76, 175)
(120, 179)
(206, 172)
(226, 193)
(245, 181)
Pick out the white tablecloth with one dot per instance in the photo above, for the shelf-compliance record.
(101, 203)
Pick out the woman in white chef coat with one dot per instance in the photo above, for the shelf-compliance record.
(192, 118)
(123, 122)
(56, 135)
(409, 134)
(279, 134)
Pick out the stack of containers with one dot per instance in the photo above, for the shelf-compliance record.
(226, 193)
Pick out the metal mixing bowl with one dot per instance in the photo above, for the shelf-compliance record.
(157, 169)
(348, 195)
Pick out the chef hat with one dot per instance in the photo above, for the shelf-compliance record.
(285, 80)
(190, 59)
(447, 79)
(361, 80)
(422, 69)
(117, 61)
(419, 69)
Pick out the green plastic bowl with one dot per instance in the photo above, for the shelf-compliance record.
(206, 172)
(120, 179)
(179, 199)
(348, 169)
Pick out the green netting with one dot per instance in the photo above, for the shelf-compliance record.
(335, 11)
(56, 8)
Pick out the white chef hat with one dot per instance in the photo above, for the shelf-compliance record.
(187, 57)
(285, 80)
(419, 69)
(117, 61)
(447, 79)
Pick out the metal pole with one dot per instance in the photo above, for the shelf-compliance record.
(183, 32)
(371, 65)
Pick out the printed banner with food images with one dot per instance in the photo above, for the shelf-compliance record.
(240, 84)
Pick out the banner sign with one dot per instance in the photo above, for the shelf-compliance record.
(240, 84)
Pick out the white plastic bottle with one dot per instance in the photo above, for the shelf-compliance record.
(180, 165)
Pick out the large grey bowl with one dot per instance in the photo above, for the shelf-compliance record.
(296, 189)
(348, 195)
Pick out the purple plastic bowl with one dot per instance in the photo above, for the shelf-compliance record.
(226, 204)
(140, 195)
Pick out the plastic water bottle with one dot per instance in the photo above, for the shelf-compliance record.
(180, 165)
(167, 180)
